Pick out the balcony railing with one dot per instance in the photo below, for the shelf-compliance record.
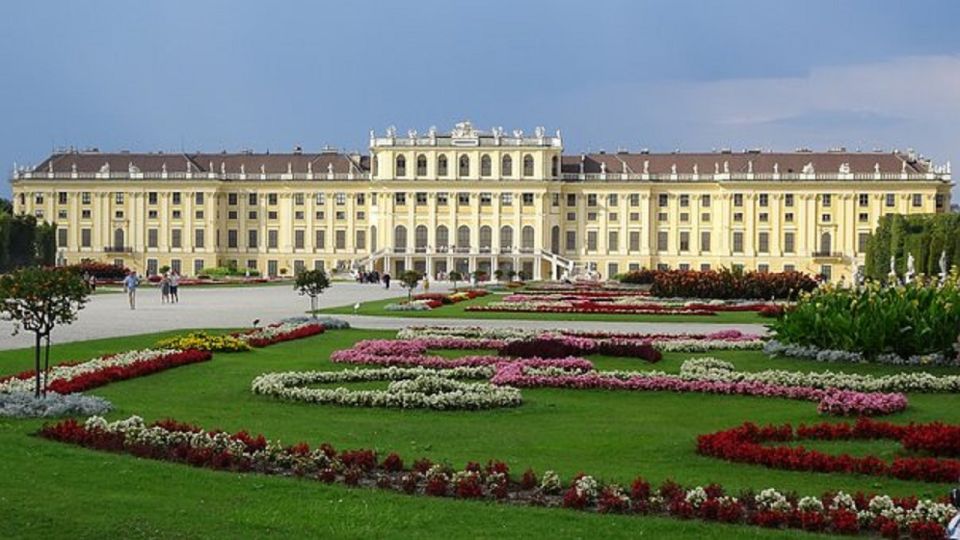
(827, 255)
(118, 249)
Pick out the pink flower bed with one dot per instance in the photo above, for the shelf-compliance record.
(831, 401)
(412, 353)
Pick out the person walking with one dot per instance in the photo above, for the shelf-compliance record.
(130, 284)
(175, 286)
(386, 281)
(164, 288)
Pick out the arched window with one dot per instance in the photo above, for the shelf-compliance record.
(555, 239)
(443, 239)
(555, 167)
(506, 238)
(486, 169)
(526, 238)
(420, 238)
(373, 238)
(421, 165)
(464, 166)
(442, 169)
(528, 165)
(401, 166)
(826, 243)
(463, 238)
(118, 239)
(400, 239)
(506, 166)
(486, 238)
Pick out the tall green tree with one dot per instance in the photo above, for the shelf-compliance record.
(37, 299)
(6, 207)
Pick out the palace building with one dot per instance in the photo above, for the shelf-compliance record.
(472, 200)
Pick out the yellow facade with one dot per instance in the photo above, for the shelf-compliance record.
(477, 201)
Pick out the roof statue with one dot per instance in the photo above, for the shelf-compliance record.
(646, 166)
(726, 167)
(243, 169)
(776, 168)
(263, 169)
(223, 167)
(844, 168)
(463, 129)
(330, 168)
(412, 133)
(105, 168)
(603, 167)
(539, 131)
(163, 168)
(695, 169)
(808, 168)
(289, 168)
(73, 168)
(750, 166)
(518, 133)
(132, 169)
(50, 166)
(673, 169)
(391, 131)
(876, 168)
(903, 167)
(309, 167)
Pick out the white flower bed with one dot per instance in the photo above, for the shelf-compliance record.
(90, 366)
(25, 405)
(410, 388)
(415, 305)
(775, 348)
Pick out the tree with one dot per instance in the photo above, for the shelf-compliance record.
(455, 277)
(6, 207)
(311, 283)
(498, 273)
(37, 299)
(410, 279)
(46, 244)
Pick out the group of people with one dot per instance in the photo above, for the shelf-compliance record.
(373, 277)
(169, 287)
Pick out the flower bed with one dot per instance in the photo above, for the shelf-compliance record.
(278, 333)
(428, 301)
(203, 341)
(729, 284)
(410, 388)
(836, 512)
(747, 444)
(26, 405)
(811, 352)
(830, 401)
(412, 353)
(77, 377)
(625, 302)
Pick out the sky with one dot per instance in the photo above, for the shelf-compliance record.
(664, 75)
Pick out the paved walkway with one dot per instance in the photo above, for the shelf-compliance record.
(108, 315)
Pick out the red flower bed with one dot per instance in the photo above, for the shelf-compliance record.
(729, 284)
(300, 332)
(132, 371)
(747, 444)
(492, 482)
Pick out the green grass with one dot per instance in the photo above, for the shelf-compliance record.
(55, 490)
(458, 311)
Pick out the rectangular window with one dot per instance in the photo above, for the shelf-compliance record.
(463, 199)
(360, 239)
(232, 238)
(232, 199)
(862, 239)
(175, 197)
(788, 217)
(321, 199)
(763, 200)
(763, 242)
(789, 268)
(153, 236)
(612, 269)
(273, 238)
(85, 235)
(528, 199)
(271, 199)
(571, 244)
(663, 241)
(486, 199)
(891, 200)
(738, 242)
(763, 268)
(634, 240)
(252, 239)
(361, 199)
(634, 216)
(197, 267)
(299, 239)
(591, 199)
(613, 216)
(863, 217)
(738, 217)
(788, 199)
(863, 199)
(705, 201)
(684, 241)
(571, 199)
(571, 216)
(176, 238)
(252, 214)
(825, 200)
(506, 199)
(634, 199)
(705, 241)
(340, 239)
(176, 214)
(591, 240)
(738, 199)
(917, 200)
(199, 238)
(152, 198)
(400, 199)
(613, 241)
(320, 242)
(788, 242)
(684, 201)
(662, 200)
(763, 217)
(443, 199)
(555, 200)
(61, 237)
(825, 218)
(662, 216)
(298, 199)
(684, 217)
(612, 199)
(198, 198)
(591, 216)
(705, 217)
(321, 215)
(252, 199)
(85, 197)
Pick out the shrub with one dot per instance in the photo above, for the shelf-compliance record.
(101, 270)
(220, 272)
(26, 405)
(916, 319)
(637, 277)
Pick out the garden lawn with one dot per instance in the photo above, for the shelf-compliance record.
(458, 311)
(54, 490)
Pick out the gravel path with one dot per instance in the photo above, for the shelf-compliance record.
(108, 315)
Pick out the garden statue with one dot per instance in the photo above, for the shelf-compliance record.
(857, 273)
(893, 268)
(943, 266)
(910, 269)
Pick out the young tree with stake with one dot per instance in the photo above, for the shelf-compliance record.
(311, 283)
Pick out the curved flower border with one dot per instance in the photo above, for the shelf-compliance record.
(746, 444)
(838, 512)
